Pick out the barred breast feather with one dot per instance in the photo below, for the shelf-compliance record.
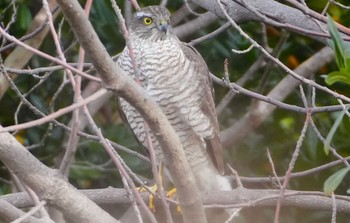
(170, 73)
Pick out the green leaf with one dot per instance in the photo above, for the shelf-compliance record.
(342, 76)
(347, 56)
(24, 18)
(326, 146)
(331, 184)
(338, 43)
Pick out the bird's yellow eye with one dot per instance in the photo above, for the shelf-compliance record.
(147, 21)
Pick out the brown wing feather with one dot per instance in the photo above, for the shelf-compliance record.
(214, 145)
(125, 121)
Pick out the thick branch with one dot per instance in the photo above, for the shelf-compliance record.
(8, 212)
(241, 197)
(125, 87)
(48, 184)
(272, 12)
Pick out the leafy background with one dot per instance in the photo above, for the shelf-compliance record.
(93, 168)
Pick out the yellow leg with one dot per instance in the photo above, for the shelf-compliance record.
(171, 194)
(153, 189)
(151, 205)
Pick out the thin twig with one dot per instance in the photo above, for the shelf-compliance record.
(32, 212)
(339, 4)
(278, 62)
(334, 209)
(291, 166)
(317, 16)
(296, 174)
(44, 55)
(210, 35)
(117, 161)
(36, 201)
(73, 136)
(273, 168)
(238, 89)
(56, 40)
(58, 113)
(241, 82)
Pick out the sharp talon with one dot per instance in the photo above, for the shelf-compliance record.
(151, 190)
(142, 189)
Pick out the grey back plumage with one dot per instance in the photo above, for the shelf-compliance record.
(177, 78)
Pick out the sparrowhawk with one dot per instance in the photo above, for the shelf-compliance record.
(175, 75)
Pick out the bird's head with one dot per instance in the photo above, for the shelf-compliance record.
(152, 22)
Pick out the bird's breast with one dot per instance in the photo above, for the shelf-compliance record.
(167, 75)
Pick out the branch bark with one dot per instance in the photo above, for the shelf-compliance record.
(48, 184)
(10, 213)
(310, 200)
(125, 87)
(270, 12)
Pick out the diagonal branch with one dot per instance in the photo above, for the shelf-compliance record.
(20, 57)
(48, 184)
(125, 87)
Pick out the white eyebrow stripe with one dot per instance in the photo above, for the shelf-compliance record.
(142, 14)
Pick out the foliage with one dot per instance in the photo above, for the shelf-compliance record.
(342, 55)
(93, 168)
(333, 181)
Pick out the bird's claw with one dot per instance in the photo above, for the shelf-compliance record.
(171, 194)
(152, 190)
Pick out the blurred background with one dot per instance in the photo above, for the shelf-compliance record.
(92, 168)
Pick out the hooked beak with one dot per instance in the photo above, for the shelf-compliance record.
(163, 25)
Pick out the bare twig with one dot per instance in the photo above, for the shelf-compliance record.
(210, 35)
(31, 212)
(150, 111)
(273, 168)
(44, 55)
(291, 166)
(279, 63)
(316, 15)
(334, 209)
(339, 4)
(8, 212)
(19, 57)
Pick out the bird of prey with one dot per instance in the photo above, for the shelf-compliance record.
(176, 76)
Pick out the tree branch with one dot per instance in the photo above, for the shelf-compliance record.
(10, 213)
(48, 184)
(241, 197)
(269, 12)
(262, 110)
(20, 57)
(125, 87)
